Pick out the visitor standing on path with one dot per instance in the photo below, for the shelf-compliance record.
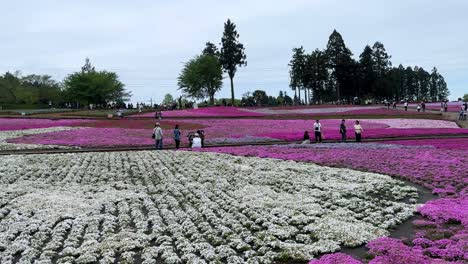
(419, 108)
(406, 106)
(358, 131)
(423, 105)
(343, 130)
(445, 106)
(158, 136)
(201, 134)
(318, 131)
(177, 136)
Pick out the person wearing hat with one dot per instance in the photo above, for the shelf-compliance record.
(158, 136)
(197, 143)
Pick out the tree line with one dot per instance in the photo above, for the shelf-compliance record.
(82, 88)
(333, 75)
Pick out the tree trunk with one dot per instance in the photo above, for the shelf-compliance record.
(232, 90)
(295, 96)
(299, 95)
(212, 99)
(305, 95)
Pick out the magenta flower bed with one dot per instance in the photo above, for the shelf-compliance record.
(230, 130)
(24, 123)
(219, 111)
(441, 236)
(94, 137)
(280, 111)
(447, 143)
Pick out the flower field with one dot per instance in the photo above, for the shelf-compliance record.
(188, 207)
(128, 132)
(435, 164)
(319, 110)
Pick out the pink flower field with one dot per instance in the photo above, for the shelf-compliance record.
(138, 132)
(23, 123)
(442, 235)
(319, 110)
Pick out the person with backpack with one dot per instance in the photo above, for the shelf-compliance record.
(158, 136)
(343, 130)
(177, 135)
(318, 131)
(358, 131)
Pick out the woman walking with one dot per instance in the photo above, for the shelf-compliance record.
(177, 136)
(358, 131)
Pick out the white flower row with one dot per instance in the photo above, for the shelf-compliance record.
(10, 134)
(187, 207)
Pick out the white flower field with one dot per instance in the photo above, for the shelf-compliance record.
(188, 207)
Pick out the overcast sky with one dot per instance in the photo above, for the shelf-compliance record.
(146, 42)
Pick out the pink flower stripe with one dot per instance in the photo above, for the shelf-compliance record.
(282, 111)
(24, 123)
(447, 143)
(220, 111)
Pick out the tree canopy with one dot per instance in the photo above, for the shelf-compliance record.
(333, 75)
(30, 89)
(201, 77)
(89, 86)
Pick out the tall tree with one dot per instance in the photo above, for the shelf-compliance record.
(366, 73)
(339, 60)
(316, 73)
(201, 77)
(296, 71)
(232, 53)
(382, 64)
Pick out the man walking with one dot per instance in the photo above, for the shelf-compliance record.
(158, 136)
(343, 130)
(318, 131)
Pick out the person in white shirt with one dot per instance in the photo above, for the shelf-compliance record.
(196, 141)
(158, 136)
(358, 131)
(318, 131)
(406, 106)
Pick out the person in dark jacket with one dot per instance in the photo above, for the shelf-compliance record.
(343, 130)
(177, 135)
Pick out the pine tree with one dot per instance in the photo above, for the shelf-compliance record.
(232, 53)
(339, 60)
(296, 71)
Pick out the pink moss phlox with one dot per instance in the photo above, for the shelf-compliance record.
(335, 258)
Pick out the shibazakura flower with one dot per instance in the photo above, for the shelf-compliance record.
(187, 207)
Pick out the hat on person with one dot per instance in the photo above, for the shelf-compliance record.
(196, 134)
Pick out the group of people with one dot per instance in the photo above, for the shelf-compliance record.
(420, 107)
(318, 132)
(196, 140)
